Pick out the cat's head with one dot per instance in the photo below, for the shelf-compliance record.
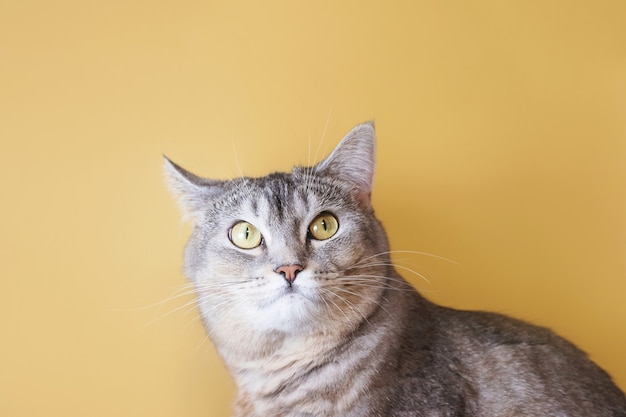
(291, 253)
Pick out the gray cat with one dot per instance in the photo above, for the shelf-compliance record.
(298, 293)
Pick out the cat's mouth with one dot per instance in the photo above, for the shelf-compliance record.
(291, 292)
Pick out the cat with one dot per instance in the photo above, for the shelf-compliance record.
(298, 293)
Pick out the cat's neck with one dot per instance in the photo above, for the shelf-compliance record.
(268, 353)
(300, 369)
(270, 361)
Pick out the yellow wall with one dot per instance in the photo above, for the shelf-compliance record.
(502, 146)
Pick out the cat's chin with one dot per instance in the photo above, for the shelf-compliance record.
(290, 311)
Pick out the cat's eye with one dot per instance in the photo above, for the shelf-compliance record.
(324, 226)
(245, 236)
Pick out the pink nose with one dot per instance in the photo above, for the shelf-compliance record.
(289, 272)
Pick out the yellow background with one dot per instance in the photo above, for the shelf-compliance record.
(502, 146)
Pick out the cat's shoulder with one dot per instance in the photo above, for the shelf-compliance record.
(492, 329)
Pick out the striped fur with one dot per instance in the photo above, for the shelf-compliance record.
(349, 337)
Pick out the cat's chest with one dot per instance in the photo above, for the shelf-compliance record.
(305, 383)
(281, 373)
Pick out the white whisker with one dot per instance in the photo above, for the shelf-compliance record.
(319, 146)
(242, 184)
(397, 266)
(392, 252)
(366, 299)
(369, 282)
(347, 302)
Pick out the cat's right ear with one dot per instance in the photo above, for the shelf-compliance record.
(192, 192)
(353, 161)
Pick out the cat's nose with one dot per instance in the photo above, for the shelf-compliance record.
(289, 272)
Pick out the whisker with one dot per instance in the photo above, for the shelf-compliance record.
(180, 292)
(200, 292)
(366, 281)
(243, 183)
(348, 273)
(397, 266)
(368, 300)
(330, 310)
(171, 312)
(348, 303)
(309, 169)
(204, 340)
(392, 252)
(319, 145)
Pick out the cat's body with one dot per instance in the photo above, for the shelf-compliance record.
(298, 293)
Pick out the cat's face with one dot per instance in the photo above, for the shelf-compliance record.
(290, 252)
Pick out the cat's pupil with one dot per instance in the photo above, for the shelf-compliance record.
(324, 225)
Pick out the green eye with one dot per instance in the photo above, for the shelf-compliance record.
(245, 236)
(324, 226)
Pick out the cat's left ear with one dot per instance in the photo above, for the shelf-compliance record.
(193, 192)
(353, 161)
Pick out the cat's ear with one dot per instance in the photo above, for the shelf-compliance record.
(353, 161)
(191, 191)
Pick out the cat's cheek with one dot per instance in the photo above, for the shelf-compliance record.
(341, 252)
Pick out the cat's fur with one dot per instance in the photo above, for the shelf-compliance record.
(349, 336)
